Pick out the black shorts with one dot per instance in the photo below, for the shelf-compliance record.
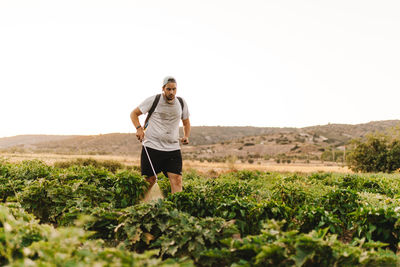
(163, 161)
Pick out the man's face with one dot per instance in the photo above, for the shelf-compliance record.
(169, 91)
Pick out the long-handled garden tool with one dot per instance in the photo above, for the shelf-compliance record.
(151, 164)
(155, 192)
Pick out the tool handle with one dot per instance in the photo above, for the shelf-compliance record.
(151, 164)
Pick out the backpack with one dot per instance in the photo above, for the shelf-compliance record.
(153, 107)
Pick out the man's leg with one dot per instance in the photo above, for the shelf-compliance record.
(146, 169)
(176, 182)
(174, 170)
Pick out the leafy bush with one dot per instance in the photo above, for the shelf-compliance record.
(290, 193)
(159, 225)
(228, 199)
(46, 199)
(91, 175)
(378, 224)
(320, 176)
(164, 184)
(129, 188)
(29, 170)
(5, 189)
(310, 217)
(370, 184)
(18, 230)
(110, 165)
(4, 168)
(58, 196)
(243, 175)
(24, 242)
(375, 153)
(275, 247)
(341, 201)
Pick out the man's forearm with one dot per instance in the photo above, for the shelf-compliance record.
(186, 129)
(135, 121)
(135, 118)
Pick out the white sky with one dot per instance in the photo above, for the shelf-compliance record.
(80, 67)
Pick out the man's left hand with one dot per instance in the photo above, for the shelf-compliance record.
(185, 140)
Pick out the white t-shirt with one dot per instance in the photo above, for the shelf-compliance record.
(162, 132)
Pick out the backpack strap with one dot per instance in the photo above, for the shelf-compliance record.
(181, 101)
(153, 107)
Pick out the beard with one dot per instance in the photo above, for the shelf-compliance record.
(169, 98)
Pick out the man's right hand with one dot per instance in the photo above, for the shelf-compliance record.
(140, 134)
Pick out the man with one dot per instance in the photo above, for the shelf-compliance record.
(161, 137)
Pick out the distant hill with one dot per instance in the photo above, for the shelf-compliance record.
(205, 135)
(103, 144)
(209, 141)
(345, 132)
(26, 140)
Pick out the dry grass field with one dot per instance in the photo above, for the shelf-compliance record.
(203, 167)
(272, 167)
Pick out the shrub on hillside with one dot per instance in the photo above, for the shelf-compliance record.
(376, 153)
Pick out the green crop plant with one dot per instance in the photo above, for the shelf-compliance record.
(238, 218)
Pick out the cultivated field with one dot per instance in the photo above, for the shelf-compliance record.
(92, 213)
